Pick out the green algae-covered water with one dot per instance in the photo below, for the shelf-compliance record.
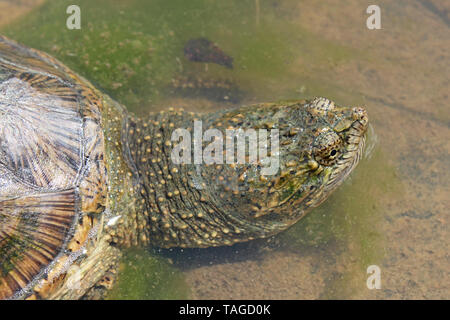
(391, 212)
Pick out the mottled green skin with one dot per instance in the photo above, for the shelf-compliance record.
(192, 205)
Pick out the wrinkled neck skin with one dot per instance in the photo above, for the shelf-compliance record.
(189, 204)
(196, 204)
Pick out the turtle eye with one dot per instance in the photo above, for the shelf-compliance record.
(327, 148)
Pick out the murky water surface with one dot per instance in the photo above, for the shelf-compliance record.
(393, 210)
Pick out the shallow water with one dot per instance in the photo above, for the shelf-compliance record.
(393, 210)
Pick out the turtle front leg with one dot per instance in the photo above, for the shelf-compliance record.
(100, 290)
(88, 278)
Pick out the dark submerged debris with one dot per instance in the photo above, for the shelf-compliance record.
(192, 86)
(203, 50)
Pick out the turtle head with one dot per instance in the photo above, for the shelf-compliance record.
(319, 144)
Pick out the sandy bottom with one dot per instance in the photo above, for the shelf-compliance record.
(13, 9)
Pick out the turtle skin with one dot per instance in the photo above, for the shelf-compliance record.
(52, 170)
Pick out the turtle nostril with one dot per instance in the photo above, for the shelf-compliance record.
(360, 114)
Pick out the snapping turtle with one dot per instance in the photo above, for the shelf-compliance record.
(81, 178)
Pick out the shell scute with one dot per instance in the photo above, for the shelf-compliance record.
(34, 230)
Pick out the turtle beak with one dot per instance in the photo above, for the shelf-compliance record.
(361, 119)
